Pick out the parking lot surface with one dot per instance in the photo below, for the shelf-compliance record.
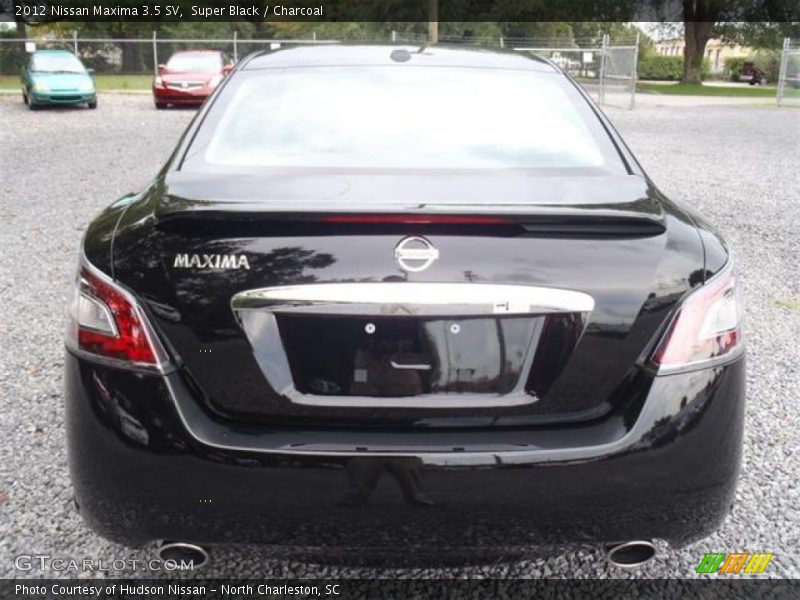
(735, 165)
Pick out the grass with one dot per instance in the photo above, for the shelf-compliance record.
(143, 81)
(104, 83)
(124, 82)
(686, 89)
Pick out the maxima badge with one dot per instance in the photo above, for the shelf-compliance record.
(415, 254)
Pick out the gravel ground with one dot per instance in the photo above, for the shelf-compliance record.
(736, 165)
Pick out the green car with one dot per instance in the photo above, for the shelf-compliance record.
(53, 77)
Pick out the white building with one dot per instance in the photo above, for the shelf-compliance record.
(716, 51)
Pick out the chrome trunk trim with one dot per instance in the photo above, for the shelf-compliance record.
(418, 299)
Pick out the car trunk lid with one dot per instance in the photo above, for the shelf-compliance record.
(489, 351)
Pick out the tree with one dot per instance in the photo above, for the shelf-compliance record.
(546, 30)
(21, 22)
(758, 34)
(22, 26)
(750, 22)
(699, 17)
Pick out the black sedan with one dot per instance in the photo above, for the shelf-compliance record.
(388, 297)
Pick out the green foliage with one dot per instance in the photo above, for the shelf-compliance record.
(467, 31)
(593, 32)
(97, 56)
(666, 68)
(12, 56)
(734, 66)
(345, 31)
(662, 68)
(769, 62)
(546, 30)
(766, 61)
(758, 33)
(705, 68)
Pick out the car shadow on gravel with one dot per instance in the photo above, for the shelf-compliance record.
(55, 108)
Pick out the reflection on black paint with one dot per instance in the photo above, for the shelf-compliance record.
(363, 475)
(560, 335)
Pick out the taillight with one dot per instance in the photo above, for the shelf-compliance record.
(707, 327)
(106, 321)
(416, 219)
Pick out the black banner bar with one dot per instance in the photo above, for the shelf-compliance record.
(40, 11)
(401, 589)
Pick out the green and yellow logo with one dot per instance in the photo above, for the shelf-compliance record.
(734, 563)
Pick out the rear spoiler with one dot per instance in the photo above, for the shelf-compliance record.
(248, 219)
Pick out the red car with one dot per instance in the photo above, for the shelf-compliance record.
(189, 77)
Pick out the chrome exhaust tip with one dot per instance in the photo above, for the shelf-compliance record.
(182, 554)
(632, 555)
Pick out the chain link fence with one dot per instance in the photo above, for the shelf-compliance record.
(789, 78)
(607, 70)
(618, 76)
(132, 56)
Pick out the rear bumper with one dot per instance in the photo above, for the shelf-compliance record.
(144, 467)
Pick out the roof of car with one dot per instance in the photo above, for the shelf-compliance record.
(364, 54)
(53, 51)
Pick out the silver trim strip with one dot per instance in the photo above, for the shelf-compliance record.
(514, 398)
(410, 367)
(190, 85)
(409, 298)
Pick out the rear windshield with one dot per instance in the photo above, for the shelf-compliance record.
(401, 117)
(57, 63)
(194, 62)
